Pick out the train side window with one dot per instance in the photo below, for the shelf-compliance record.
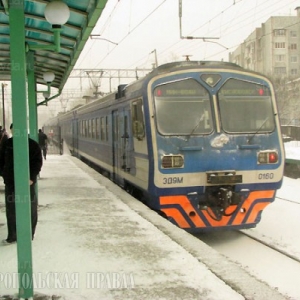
(102, 129)
(90, 129)
(85, 128)
(97, 129)
(106, 128)
(137, 116)
(93, 128)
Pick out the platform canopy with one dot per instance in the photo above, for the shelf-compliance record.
(84, 14)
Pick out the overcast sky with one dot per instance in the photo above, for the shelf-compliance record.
(132, 31)
(140, 26)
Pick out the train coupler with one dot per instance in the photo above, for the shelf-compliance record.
(217, 200)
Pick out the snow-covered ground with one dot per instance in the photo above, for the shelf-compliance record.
(152, 263)
(292, 150)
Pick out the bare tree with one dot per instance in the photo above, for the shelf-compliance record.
(288, 98)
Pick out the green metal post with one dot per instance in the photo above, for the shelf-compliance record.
(32, 99)
(20, 137)
(32, 102)
(56, 32)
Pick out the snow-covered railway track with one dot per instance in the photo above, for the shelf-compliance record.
(271, 246)
(289, 200)
(265, 262)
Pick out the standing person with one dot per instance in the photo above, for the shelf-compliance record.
(1, 132)
(3, 137)
(7, 171)
(43, 141)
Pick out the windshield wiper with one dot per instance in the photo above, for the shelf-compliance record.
(258, 130)
(197, 125)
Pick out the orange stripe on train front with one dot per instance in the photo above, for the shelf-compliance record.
(177, 216)
(239, 218)
(186, 205)
(198, 222)
(256, 208)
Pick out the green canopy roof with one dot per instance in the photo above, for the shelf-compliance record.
(84, 14)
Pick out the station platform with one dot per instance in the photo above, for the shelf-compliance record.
(94, 241)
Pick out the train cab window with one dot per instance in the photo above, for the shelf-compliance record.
(245, 107)
(137, 115)
(182, 108)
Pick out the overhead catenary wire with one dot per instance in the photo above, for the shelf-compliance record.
(225, 28)
(197, 42)
(188, 47)
(108, 20)
(153, 11)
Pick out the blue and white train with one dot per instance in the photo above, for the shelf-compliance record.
(199, 142)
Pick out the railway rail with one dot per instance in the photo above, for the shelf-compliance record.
(271, 262)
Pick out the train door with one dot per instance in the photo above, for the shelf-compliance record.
(125, 141)
(75, 137)
(121, 156)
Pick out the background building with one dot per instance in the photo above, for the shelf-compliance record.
(273, 49)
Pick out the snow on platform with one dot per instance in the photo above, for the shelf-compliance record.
(94, 241)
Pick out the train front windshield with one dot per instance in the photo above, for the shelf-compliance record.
(245, 107)
(183, 108)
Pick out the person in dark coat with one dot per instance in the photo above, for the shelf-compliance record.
(43, 142)
(7, 172)
(3, 137)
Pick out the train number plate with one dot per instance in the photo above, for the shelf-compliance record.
(224, 179)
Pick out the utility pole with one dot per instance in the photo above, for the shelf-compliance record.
(187, 57)
(155, 55)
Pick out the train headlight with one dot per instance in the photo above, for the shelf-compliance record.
(172, 161)
(267, 157)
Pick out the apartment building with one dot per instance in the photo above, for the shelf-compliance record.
(273, 49)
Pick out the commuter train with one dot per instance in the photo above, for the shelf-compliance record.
(198, 141)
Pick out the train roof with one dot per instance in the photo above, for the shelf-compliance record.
(180, 65)
(165, 68)
(174, 66)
